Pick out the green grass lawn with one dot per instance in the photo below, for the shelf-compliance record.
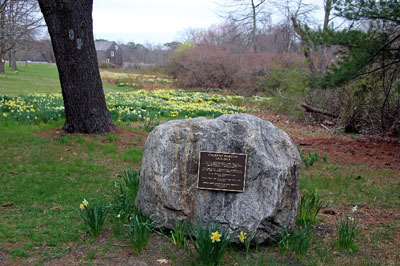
(37, 78)
(46, 174)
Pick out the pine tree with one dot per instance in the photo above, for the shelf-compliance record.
(369, 44)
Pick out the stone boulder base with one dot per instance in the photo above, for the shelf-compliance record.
(169, 170)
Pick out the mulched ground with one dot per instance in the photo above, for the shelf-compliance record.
(373, 151)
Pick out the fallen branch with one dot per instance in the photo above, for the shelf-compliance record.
(325, 127)
(312, 109)
(309, 108)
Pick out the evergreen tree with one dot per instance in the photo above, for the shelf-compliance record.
(367, 70)
(369, 44)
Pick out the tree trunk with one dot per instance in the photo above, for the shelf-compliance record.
(254, 29)
(71, 30)
(305, 45)
(2, 39)
(327, 9)
(1, 63)
(13, 59)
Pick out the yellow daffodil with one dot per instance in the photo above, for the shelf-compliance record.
(130, 106)
(81, 206)
(215, 236)
(351, 219)
(242, 236)
(85, 202)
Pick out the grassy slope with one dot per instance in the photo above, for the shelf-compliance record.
(36, 78)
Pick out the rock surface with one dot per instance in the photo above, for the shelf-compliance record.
(169, 172)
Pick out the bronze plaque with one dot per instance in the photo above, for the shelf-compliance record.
(222, 171)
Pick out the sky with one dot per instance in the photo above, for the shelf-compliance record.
(151, 21)
(161, 21)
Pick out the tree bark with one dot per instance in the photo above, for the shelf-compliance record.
(13, 59)
(254, 29)
(327, 9)
(71, 30)
(2, 37)
(305, 45)
(312, 109)
(1, 64)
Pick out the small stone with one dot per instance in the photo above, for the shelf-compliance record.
(7, 204)
(329, 211)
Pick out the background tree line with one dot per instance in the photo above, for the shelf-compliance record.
(19, 20)
(343, 69)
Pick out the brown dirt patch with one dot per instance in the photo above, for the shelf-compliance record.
(372, 150)
(378, 232)
(362, 150)
(123, 137)
(104, 250)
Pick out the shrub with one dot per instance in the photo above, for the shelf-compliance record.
(209, 66)
(130, 85)
(285, 79)
(105, 65)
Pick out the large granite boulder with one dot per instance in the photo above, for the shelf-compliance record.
(169, 173)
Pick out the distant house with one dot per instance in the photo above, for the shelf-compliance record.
(109, 52)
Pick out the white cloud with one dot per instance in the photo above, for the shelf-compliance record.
(156, 21)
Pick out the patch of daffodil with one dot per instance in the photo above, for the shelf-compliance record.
(137, 105)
